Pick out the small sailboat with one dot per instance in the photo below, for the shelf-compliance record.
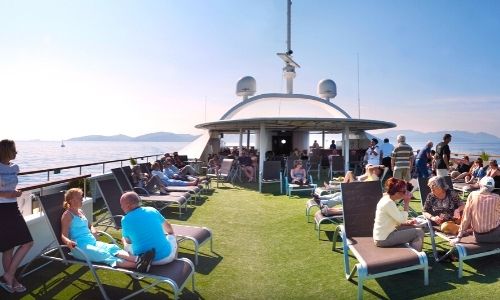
(62, 143)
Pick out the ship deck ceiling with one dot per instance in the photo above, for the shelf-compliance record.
(330, 125)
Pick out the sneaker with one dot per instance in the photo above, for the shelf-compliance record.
(145, 260)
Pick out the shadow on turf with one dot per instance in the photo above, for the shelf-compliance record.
(206, 262)
(88, 289)
(442, 277)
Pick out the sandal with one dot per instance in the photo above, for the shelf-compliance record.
(6, 286)
(19, 288)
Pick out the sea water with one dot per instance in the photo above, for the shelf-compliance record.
(36, 155)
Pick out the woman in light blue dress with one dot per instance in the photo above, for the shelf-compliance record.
(76, 231)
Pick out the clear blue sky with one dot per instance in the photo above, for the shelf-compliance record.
(76, 68)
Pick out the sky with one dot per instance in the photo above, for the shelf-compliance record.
(75, 68)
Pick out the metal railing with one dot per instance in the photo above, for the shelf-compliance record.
(57, 170)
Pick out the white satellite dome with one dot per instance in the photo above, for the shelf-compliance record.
(327, 89)
(246, 86)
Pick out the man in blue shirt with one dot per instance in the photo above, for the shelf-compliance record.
(144, 228)
(423, 157)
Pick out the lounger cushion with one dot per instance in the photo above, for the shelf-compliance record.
(178, 270)
(469, 243)
(380, 259)
(200, 234)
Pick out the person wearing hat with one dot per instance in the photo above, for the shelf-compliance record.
(482, 214)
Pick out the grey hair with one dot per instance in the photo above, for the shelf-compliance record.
(438, 181)
(401, 138)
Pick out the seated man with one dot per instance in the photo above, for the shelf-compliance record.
(175, 173)
(482, 214)
(168, 181)
(144, 228)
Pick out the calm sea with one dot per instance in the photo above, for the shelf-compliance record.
(35, 155)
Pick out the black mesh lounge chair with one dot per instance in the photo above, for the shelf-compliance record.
(272, 173)
(359, 204)
(195, 190)
(468, 248)
(176, 274)
(111, 194)
(125, 183)
(180, 199)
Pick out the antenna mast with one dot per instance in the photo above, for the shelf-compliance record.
(290, 65)
(359, 103)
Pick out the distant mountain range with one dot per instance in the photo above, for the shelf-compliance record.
(457, 136)
(150, 137)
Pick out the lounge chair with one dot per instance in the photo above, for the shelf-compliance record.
(291, 187)
(160, 202)
(111, 194)
(313, 164)
(176, 274)
(125, 183)
(336, 165)
(467, 248)
(320, 218)
(359, 204)
(226, 172)
(272, 173)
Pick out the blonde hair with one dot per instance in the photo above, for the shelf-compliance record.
(69, 195)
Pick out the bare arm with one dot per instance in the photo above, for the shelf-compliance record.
(65, 222)
(167, 227)
(11, 194)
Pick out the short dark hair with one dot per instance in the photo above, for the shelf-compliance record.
(386, 140)
(446, 136)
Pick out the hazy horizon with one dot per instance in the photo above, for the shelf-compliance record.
(76, 68)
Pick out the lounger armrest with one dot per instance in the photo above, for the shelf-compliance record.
(107, 235)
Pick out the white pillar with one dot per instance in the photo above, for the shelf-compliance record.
(262, 152)
(240, 145)
(345, 148)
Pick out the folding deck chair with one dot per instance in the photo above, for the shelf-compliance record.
(468, 248)
(225, 172)
(110, 192)
(176, 274)
(272, 173)
(359, 204)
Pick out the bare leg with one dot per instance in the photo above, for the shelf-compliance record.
(12, 261)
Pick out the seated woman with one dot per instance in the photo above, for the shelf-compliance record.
(76, 231)
(246, 166)
(298, 174)
(494, 173)
(474, 171)
(388, 230)
(142, 180)
(443, 206)
(213, 164)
